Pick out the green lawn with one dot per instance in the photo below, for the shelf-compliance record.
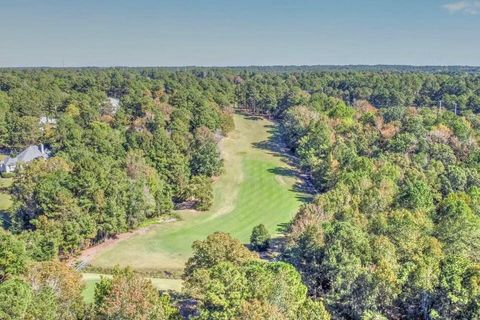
(5, 199)
(90, 279)
(255, 188)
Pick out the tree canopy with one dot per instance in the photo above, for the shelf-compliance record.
(392, 155)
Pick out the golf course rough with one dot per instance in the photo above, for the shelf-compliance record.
(257, 186)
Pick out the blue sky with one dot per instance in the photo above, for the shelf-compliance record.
(240, 32)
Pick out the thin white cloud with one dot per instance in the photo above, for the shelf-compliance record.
(471, 7)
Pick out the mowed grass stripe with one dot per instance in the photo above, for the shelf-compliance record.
(247, 194)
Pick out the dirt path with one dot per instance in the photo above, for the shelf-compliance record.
(83, 260)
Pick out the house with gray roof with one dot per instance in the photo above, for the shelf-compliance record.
(31, 153)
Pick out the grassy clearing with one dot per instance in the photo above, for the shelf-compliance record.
(5, 199)
(90, 279)
(257, 187)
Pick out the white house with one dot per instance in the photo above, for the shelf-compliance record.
(31, 153)
(114, 104)
(44, 120)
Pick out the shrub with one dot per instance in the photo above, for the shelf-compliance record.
(260, 238)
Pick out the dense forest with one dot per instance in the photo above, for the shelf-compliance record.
(392, 233)
(110, 171)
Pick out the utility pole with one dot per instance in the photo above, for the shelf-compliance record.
(455, 104)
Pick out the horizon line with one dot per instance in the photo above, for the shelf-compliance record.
(247, 66)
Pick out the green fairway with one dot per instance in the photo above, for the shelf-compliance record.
(257, 187)
(90, 279)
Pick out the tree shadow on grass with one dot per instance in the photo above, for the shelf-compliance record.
(253, 118)
(304, 198)
(283, 227)
(271, 147)
(276, 147)
(305, 186)
(283, 171)
(248, 115)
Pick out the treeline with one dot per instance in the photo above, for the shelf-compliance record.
(224, 278)
(273, 93)
(111, 168)
(285, 68)
(395, 230)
